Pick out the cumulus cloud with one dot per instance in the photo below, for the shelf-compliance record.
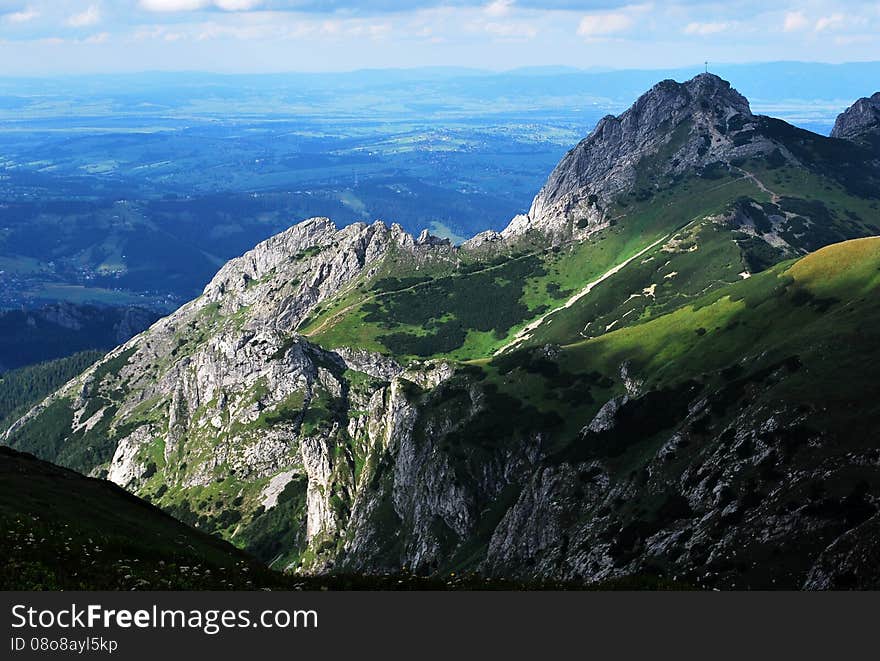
(266, 27)
(703, 29)
(795, 21)
(495, 18)
(604, 24)
(512, 30)
(601, 25)
(833, 22)
(499, 8)
(84, 19)
(23, 16)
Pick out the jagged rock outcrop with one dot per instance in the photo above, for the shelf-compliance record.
(225, 397)
(674, 129)
(851, 561)
(720, 514)
(483, 240)
(860, 121)
(284, 277)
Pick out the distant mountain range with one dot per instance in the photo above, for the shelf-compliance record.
(806, 94)
(769, 82)
(660, 373)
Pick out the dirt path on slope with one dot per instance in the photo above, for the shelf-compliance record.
(526, 331)
(774, 196)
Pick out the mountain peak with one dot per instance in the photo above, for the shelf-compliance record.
(860, 120)
(703, 92)
(704, 95)
(682, 126)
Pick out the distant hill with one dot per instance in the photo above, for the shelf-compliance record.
(62, 329)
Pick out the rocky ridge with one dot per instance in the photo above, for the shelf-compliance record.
(674, 128)
(860, 120)
(225, 386)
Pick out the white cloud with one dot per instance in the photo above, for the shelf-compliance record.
(265, 27)
(194, 5)
(833, 22)
(237, 5)
(173, 5)
(511, 30)
(372, 30)
(90, 16)
(499, 8)
(705, 28)
(23, 16)
(494, 18)
(100, 38)
(599, 25)
(795, 21)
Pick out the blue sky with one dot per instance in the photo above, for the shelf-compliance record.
(84, 36)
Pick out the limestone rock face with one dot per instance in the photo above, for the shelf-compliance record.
(672, 129)
(860, 120)
(287, 275)
(225, 397)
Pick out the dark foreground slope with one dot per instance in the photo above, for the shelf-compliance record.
(65, 531)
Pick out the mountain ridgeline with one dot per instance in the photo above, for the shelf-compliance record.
(659, 372)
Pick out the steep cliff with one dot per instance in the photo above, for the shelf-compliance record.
(674, 129)
(859, 121)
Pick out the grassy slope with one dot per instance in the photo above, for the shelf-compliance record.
(707, 254)
(513, 292)
(470, 311)
(781, 307)
(819, 309)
